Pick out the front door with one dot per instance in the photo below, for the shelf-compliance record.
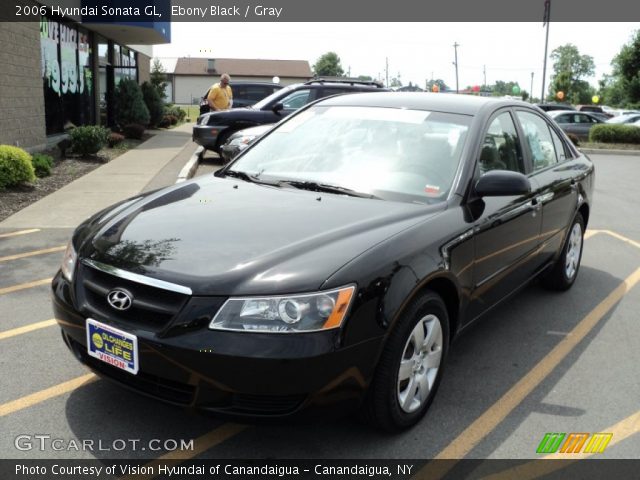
(507, 232)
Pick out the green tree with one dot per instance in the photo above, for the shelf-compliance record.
(158, 78)
(569, 71)
(501, 88)
(365, 78)
(439, 82)
(626, 67)
(154, 103)
(395, 82)
(328, 65)
(612, 91)
(130, 106)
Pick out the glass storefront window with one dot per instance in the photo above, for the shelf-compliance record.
(67, 75)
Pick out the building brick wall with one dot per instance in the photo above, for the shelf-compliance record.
(22, 120)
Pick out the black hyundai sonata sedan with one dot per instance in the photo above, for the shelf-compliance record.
(331, 264)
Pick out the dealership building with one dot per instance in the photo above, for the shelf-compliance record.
(56, 72)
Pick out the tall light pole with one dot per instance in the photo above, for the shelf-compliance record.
(531, 90)
(547, 17)
(455, 49)
(386, 71)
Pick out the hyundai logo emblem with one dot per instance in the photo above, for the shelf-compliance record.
(120, 299)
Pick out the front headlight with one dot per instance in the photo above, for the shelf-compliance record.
(286, 313)
(69, 262)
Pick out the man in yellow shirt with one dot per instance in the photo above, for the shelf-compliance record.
(220, 95)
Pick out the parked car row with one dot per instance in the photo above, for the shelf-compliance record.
(230, 132)
(213, 129)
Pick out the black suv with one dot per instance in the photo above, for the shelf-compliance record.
(212, 129)
(244, 94)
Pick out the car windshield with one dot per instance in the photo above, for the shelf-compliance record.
(393, 154)
(275, 95)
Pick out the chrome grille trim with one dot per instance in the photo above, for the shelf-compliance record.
(134, 277)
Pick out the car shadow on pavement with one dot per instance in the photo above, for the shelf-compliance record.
(483, 364)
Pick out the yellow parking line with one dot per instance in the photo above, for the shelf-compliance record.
(535, 469)
(33, 253)
(200, 445)
(19, 232)
(491, 418)
(24, 286)
(46, 394)
(622, 237)
(590, 233)
(27, 328)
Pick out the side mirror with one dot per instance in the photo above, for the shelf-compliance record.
(502, 183)
(277, 107)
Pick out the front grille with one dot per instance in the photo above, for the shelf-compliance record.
(167, 390)
(152, 309)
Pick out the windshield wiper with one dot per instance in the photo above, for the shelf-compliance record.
(323, 187)
(246, 177)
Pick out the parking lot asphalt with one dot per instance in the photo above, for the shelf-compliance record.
(542, 362)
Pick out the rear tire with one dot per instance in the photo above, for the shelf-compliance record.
(565, 271)
(410, 367)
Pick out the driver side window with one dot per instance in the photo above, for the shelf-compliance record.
(501, 147)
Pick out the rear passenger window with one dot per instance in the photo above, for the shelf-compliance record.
(501, 146)
(561, 151)
(538, 137)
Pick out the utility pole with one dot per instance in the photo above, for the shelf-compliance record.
(386, 71)
(531, 90)
(455, 48)
(547, 18)
(484, 73)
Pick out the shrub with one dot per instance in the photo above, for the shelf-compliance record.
(114, 139)
(154, 104)
(177, 112)
(133, 130)
(15, 166)
(129, 105)
(89, 139)
(173, 119)
(42, 164)
(165, 122)
(614, 134)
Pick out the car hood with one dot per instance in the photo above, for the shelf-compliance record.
(223, 236)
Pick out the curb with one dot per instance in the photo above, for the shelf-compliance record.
(191, 166)
(602, 151)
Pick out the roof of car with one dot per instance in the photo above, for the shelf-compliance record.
(555, 113)
(441, 102)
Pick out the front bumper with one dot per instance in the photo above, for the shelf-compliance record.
(233, 373)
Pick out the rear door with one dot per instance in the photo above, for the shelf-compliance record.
(554, 170)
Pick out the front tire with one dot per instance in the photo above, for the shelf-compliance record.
(565, 271)
(410, 367)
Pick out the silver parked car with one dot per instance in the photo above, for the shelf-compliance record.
(577, 123)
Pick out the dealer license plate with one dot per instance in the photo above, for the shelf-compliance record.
(112, 346)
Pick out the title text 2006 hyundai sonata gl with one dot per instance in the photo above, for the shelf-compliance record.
(332, 263)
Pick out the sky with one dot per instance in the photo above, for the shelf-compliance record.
(416, 52)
